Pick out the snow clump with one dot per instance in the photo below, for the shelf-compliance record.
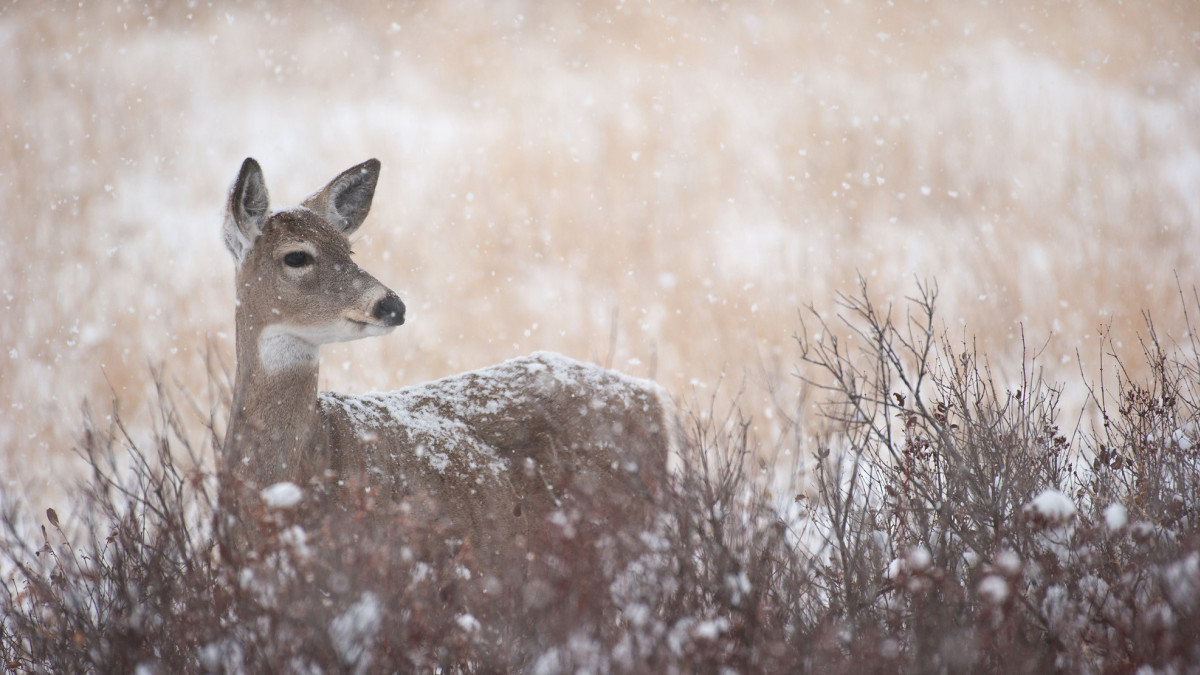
(919, 558)
(895, 569)
(1180, 438)
(1008, 563)
(1051, 508)
(468, 623)
(282, 495)
(1182, 582)
(1115, 517)
(353, 632)
(994, 589)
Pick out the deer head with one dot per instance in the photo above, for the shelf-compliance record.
(297, 286)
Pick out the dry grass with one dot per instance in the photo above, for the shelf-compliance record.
(685, 176)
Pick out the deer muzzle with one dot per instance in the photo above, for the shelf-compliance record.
(390, 310)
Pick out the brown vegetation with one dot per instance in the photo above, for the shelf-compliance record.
(957, 526)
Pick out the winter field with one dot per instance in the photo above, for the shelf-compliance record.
(678, 190)
(659, 187)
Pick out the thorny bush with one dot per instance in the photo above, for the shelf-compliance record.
(951, 524)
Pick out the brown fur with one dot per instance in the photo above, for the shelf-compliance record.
(492, 453)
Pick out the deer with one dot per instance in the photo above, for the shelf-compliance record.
(495, 451)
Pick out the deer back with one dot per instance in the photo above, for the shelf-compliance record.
(498, 450)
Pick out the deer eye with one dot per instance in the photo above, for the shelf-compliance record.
(297, 259)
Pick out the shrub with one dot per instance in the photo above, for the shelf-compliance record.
(945, 523)
(964, 530)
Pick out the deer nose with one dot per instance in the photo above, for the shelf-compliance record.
(389, 310)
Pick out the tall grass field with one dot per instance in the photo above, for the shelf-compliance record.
(920, 275)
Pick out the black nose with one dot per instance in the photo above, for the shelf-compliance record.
(390, 310)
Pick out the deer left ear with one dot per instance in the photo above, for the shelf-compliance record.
(246, 210)
(346, 201)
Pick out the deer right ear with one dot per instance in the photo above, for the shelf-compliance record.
(247, 210)
(347, 199)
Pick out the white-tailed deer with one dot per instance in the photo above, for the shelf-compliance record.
(495, 450)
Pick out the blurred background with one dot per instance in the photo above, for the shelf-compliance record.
(658, 186)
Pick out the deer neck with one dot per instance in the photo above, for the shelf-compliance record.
(274, 426)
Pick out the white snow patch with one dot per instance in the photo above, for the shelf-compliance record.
(919, 558)
(637, 614)
(563, 522)
(1052, 506)
(1008, 563)
(353, 632)
(890, 648)
(1182, 582)
(264, 590)
(1181, 439)
(548, 663)
(224, 656)
(468, 623)
(1116, 517)
(711, 630)
(1143, 530)
(1055, 606)
(297, 539)
(677, 636)
(283, 495)
(738, 585)
(993, 588)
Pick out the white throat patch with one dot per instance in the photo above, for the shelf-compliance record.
(279, 349)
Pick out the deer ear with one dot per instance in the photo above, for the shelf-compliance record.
(347, 199)
(247, 209)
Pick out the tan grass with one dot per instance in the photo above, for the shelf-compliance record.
(690, 173)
